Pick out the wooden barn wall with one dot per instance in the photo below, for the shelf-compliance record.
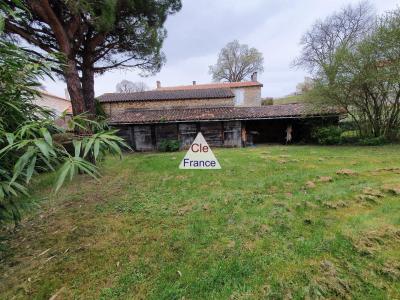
(221, 134)
(165, 132)
(213, 133)
(187, 134)
(149, 137)
(232, 134)
(126, 133)
(143, 137)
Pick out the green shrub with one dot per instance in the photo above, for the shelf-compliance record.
(349, 137)
(352, 137)
(348, 125)
(169, 145)
(267, 101)
(329, 135)
(373, 141)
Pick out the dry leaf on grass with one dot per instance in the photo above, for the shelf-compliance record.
(310, 184)
(325, 179)
(389, 169)
(372, 192)
(347, 172)
(370, 195)
(185, 209)
(328, 281)
(369, 242)
(206, 207)
(392, 188)
(335, 204)
(390, 270)
(264, 228)
(368, 198)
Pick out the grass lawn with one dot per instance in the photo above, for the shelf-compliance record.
(255, 229)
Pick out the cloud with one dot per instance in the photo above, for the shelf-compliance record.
(198, 32)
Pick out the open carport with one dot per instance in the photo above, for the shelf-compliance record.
(144, 130)
(262, 131)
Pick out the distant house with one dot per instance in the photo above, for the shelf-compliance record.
(227, 114)
(55, 103)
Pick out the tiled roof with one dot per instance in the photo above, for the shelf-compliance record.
(43, 92)
(220, 113)
(211, 86)
(168, 95)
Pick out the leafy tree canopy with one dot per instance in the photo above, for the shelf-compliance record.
(89, 37)
(363, 79)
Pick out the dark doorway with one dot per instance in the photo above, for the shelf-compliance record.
(266, 131)
(274, 130)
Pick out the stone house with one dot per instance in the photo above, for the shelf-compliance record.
(52, 102)
(227, 114)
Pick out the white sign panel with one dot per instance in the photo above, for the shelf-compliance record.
(199, 156)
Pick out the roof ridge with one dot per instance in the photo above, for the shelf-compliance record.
(210, 93)
(213, 85)
(177, 108)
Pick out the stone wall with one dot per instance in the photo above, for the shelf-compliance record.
(54, 103)
(251, 96)
(115, 107)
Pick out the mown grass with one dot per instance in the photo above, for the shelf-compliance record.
(254, 229)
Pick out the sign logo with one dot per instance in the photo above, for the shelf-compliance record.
(199, 156)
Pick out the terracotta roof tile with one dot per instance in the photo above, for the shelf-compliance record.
(219, 113)
(168, 95)
(211, 86)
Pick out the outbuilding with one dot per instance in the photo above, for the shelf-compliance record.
(227, 114)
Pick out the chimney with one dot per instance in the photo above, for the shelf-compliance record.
(158, 84)
(254, 76)
(194, 82)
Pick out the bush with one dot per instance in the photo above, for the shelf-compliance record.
(330, 135)
(169, 145)
(373, 141)
(267, 101)
(349, 137)
(334, 135)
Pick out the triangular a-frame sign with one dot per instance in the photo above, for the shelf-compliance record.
(199, 156)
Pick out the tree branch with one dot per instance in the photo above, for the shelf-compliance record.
(26, 35)
(117, 65)
(44, 10)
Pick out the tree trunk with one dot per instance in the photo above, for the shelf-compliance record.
(74, 87)
(88, 89)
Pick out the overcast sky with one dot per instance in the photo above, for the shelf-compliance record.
(198, 32)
